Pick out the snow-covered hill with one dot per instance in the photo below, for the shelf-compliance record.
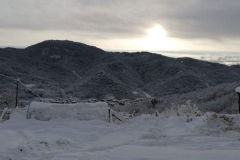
(146, 137)
(64, 68)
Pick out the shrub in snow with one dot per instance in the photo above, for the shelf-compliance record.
(216, 124)
(138, 106)
(221, 99)
(62, 142)
(187, 109)
(5, 115)
(7, 99)
(45, 143)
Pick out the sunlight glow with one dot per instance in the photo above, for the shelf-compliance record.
(157, 39)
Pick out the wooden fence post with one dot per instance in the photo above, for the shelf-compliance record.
(109, 115)
(117, 117)
(16, 95)
(28, 114)
(238, 102)
(238, 92)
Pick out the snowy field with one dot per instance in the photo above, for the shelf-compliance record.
(82, 132)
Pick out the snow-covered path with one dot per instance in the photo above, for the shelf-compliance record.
(143, 138)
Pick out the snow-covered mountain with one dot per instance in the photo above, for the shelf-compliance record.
(64, 68)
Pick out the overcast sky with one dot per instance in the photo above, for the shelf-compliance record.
(152, 25)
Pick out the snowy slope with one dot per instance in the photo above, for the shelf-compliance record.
(211, 136)
(65, 68)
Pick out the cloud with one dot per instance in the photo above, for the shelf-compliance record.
(211, 19)
(228, 60)
(103, 18)
(113, 24)
(198, 19)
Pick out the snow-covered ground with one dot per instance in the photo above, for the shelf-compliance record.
(70, 137)
(237, 89)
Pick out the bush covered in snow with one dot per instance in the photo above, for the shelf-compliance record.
(7, 99)
(187, 109)
(137, 106)
(219, 124)
(221, 99)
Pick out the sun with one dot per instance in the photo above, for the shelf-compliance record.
(154, 38)
(157, 39)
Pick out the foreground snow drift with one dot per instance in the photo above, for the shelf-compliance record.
(211, 136)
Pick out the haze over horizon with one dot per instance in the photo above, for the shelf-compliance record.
(206, 28)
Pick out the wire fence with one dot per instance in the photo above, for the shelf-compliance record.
(9, 91)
